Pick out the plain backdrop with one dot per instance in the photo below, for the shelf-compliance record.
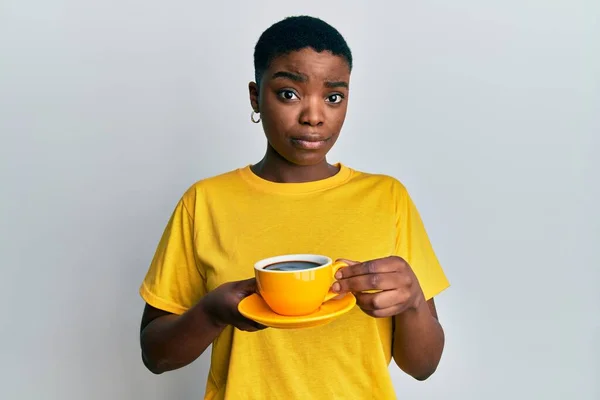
(487, 111)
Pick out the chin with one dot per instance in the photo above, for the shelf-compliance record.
(299, 157)
(306, 160)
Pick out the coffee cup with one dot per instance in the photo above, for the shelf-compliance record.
(296, 284)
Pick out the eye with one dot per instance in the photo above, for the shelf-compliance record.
(287, 94)
(335, 98)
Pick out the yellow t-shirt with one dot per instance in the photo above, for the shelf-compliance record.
(224, 224)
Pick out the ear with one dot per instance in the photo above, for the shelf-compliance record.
(253, 91)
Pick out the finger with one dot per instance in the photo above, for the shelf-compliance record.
(360, 283)
(249, 284)
(339, 296)
(254, 323)
(381, 300)
(249, 325)
(382, 265)
(246, 327)
(246, 287)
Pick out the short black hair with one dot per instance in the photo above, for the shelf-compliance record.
(297, 33)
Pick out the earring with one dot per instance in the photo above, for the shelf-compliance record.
(252, 117)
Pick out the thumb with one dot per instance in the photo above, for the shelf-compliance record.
(247, 287)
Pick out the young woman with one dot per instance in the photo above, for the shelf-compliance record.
(293, 201)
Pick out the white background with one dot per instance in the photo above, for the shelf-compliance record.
(487, 111)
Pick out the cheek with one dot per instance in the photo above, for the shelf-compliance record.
(337, 118)
(280, 117)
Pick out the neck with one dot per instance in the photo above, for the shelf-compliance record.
(275, 168)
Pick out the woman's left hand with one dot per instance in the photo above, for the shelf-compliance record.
(393, 280)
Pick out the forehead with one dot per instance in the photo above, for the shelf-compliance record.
(316, 65)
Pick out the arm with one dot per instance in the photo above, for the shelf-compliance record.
(418, 337)
(418, 340)
(182, 318)
(170, 341)
(388, 287)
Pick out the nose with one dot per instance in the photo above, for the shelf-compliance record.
(312, 112)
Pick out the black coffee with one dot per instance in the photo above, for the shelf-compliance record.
(292, 266)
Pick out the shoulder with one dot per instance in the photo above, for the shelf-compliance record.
(378, 181)
(207, 187)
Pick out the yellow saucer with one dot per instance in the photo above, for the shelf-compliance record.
(254, 307)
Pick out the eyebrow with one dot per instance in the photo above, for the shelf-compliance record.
(290, 76)
(301, 78)
(336, 84)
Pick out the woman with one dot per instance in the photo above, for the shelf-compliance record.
(294, 201)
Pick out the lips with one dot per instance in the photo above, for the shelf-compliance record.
(309, 142)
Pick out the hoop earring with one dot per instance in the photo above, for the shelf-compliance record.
(252, 117)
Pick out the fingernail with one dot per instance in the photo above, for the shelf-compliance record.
(336, 287)
(338, 275)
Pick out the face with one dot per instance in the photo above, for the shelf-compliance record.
(302, 103)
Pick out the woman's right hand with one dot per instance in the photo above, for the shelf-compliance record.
(221, 304)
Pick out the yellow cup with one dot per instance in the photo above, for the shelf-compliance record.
(296, 284)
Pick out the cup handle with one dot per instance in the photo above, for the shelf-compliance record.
(335, 267)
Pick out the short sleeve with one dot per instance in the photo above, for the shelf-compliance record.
(174, 282)
(414, 246)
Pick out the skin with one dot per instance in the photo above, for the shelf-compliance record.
(302, 100)
(302, 95)
(394, 291)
